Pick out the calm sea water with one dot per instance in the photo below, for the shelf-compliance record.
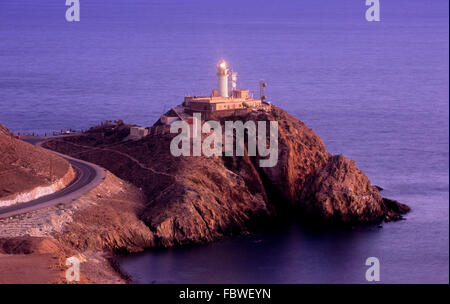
(377, 92)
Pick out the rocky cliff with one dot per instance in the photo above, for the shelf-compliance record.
(27, 172)
(196, 199)
(34, 246)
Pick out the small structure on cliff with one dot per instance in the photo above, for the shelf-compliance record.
(225, 97)
(224, 101)
(137, 133)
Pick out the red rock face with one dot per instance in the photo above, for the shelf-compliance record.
(189, 199)
(340, 192)
(197, 199)
(301, 151)
(4, 130)
(330, 188)
(204, 201)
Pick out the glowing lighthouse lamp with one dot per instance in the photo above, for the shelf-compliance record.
(222, 78)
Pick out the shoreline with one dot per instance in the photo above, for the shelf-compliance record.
(174, 201)
(115, 265)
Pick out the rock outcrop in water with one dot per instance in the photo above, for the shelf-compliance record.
(197, 199)
(340, 192)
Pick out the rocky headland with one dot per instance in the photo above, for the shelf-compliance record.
(197, 199)
(153, 199)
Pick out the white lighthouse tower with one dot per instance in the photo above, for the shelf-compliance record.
(232, 82)
(222, 78)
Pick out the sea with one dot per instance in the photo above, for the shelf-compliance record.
(377, 92)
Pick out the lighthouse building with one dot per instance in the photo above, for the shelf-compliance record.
(225, 98)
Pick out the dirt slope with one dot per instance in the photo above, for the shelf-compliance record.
(24, 167)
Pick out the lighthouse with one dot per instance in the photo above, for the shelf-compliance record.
(222, 79)
(225, 100)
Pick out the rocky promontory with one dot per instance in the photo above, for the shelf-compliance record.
(191, 199)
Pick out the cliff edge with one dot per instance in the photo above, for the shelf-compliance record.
(197, 199)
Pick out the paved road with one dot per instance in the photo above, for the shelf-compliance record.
(88, 177)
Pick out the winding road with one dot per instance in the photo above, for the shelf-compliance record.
(88, 177)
